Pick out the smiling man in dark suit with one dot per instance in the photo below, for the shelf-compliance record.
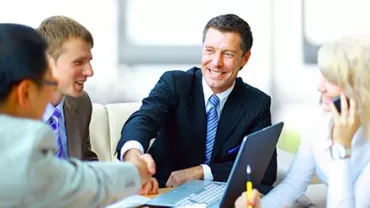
(199, 117)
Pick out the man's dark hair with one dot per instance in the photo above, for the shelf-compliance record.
(22, 56)
(234, 24)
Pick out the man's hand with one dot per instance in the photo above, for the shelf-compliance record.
(131, 153)
(144, 163)
(254, 200)
(150, 187)
(179, 177)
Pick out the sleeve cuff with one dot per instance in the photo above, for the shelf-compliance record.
(207, 172)
(132, 144)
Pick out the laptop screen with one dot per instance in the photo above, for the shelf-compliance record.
(256, 151)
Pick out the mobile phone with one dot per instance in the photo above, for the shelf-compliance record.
(337, 104)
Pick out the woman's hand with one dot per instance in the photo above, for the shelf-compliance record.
(254, 200)
(346, 123)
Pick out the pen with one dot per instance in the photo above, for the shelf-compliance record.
(249, 186)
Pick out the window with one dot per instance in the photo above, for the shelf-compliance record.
(170, 32)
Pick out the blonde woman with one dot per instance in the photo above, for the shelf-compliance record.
(338, 148)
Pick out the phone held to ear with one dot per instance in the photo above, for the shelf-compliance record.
(337, 103)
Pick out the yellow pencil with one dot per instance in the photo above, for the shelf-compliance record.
(249, 185)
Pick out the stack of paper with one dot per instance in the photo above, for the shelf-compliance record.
(129, 202)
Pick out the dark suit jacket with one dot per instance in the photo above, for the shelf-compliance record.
(77, 113)
(174, 113)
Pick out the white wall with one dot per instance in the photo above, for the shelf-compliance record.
(98, 16)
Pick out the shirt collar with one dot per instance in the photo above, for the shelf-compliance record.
(49, 110)
(207, 92)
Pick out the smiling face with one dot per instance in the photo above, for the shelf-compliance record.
(73, 67)
(222, 59)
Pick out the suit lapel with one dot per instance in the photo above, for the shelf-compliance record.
(199, 114)
(233, 110)
(71, 118)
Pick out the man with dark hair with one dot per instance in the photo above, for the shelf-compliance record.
(200, 117)
(31, 174)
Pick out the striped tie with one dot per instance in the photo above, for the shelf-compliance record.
(54, 123)
(212, 121)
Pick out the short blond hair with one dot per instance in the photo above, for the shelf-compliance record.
(59, 29)
(346, 63)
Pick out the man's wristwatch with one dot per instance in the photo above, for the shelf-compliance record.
(339, 151)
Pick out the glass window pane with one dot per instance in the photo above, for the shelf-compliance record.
(168, 22)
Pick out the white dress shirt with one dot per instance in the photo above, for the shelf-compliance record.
(348, 180)
(207, 92)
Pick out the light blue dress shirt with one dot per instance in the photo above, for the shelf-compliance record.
(62, 124)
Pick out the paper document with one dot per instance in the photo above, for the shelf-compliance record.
(131, 201)
(194, 206)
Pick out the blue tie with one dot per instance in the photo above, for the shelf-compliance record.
(54, 123)
(212, 121)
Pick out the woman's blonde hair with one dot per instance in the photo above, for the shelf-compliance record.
(346, 63)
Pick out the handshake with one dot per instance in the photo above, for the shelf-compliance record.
(146, 167)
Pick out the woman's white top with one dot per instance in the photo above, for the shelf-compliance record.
(348, 180)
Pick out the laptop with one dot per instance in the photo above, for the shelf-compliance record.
(256, 151)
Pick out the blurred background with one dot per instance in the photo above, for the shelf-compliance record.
(137, 40)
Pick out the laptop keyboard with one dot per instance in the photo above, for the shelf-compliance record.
(209, 194)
